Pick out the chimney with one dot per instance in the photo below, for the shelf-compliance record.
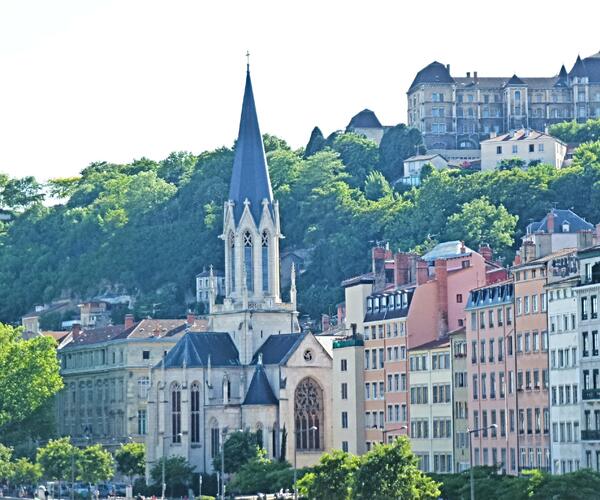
(517, 260)
(463, 249)
(378, 257)
(401, 268)
(441, 277)
(492, 134)
(486, 252)
(422, 272)
(191, 318)
(475, 75)
(129, 320)
(76, 331)
(550, 221)
(353, 328)
(325, 322)
(528, 251)
(468, 74)
(448, 67)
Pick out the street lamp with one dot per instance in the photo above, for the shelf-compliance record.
(296, 432)
(471, 478)
(164, 459)
(385, 431)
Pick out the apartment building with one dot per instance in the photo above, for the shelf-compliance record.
(431, 415)
(455, 112)
(491, 373)
(460, 399)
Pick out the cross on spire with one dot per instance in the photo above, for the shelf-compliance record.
(248, 60)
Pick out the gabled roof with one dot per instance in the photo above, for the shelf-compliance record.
(194, 349)
(515, 80)
(97, 335)
(521, 135)
(435, 72)
(575, 222)
(277, 349)
(260, 391)
(447, 250)
(250, 176)
(365, 119)
(424, 157)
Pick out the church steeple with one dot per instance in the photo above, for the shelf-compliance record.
(250, 177)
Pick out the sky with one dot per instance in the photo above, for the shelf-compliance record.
(115, 80)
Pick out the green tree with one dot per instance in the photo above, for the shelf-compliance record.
(397, 144)
(29, 374)
(57, 459)
(21, 193)
(178, 474)
(6, 468)
(391, 470)
(177, 168)
(359, 155)
(25, 473)
(240, 448)
(574, 132)
(332, 477)
(131, 460)
(376, 186)
(509, 164)
(94, 464)
(261, 475)
(481, 222)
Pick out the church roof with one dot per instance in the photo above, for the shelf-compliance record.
(277, 349)
(250, 176)
(193, 350)
(365, 119)
(260, 392)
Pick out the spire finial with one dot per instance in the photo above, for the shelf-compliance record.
(248, 61)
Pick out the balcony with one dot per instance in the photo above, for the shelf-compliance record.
(590, 435)
(589, 394)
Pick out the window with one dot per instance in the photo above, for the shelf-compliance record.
(344, 389)
(248, 261)
(214, 440)
(231, 259)
(143, 387)
(498, 150)
(515, 149)
(532, 148)
(195, 412)
(584, 308)
(308, 413)
(141, 419)
(145, 354)
(265, 261)
(344, 420)
(344, 365)
(176, 413)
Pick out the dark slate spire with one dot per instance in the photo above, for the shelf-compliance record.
(578, 68)
(514, 80)
(260, 392)
(250, 177)
(561, 81)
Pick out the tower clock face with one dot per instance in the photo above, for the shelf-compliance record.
(308, 355)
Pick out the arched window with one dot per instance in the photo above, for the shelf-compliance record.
(214, 438)
(248, 261)
(259, 435)
(308, 413)
(265, 261)
(195, 412)
(232, 261)
(176, 412)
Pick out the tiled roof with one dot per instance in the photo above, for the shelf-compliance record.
(365, 119)
(277, 349)
(194, 349)
(153, 328)
(575, 222)
(260, 391)
(520, 135)
(250, 177)
(447, 250)
(97, 335)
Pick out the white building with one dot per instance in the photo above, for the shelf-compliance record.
(524, 144)
(203, 285)
(414, 164)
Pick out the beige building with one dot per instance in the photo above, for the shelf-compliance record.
(455, 112)
(431, 426)
(460, 399)
(529, 146)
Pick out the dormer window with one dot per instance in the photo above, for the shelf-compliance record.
(369, 304)
(566, 227)
(376, 307)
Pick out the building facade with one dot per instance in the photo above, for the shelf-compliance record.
(458, 112)
(460, 399)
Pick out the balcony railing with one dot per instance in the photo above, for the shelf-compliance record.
(590, 435)
(588, 394)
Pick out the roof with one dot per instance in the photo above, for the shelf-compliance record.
(515, 80)
(424, 157)
(495, 294)
(277, 349)
(97, 335)
(575, 222)
(435, 72)
(363, 279)
(206, 274)
(260, 391)
(520, 135)
(392, 305)
(434, 344)
(546, 258)
(447, 250)
(250, 176)
(561, 81)
(365, 119)
(153, 328)
(588, 67)
(195, 349)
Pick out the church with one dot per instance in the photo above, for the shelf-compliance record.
(253, 369)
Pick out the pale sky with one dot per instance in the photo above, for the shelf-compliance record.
(86, 80)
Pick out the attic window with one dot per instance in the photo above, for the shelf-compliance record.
(566, 227)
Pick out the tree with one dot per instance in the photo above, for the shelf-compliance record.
(332, 477)
(391, 470)
(359, 154)
(240, 448)
(58, 458)
(315, 144)
(21, 193)
(573, 132)
(131, 459)
(29, 374)
(177, 168)
(94, 464)
(178, 474)
(376, 186)
(5, 464)
(25, 473)
(509, 164)
(397, 144)
(261, 475)
(481, 222)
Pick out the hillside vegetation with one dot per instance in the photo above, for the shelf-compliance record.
(148, 227)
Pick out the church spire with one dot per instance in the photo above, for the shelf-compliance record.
(250, 177)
